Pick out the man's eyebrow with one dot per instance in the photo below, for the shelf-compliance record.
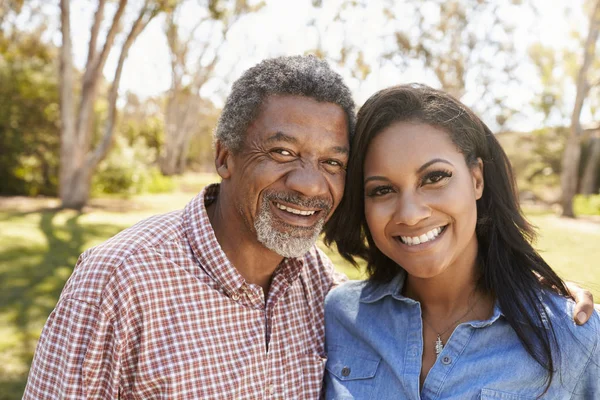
(435, 160)
(281, 137)
(341, 149)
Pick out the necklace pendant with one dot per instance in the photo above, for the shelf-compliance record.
(439, 346)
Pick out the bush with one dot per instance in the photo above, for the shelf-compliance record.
(586, 205)
(127, 170)
(158, 183)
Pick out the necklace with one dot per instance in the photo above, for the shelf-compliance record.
(439, 345)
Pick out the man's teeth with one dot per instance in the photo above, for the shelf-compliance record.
(426, 237)
(293, 210)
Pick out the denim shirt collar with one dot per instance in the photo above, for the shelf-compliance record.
(374, 291)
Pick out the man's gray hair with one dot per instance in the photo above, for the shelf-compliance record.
(293, 75)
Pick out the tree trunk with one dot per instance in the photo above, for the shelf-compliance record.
(569, 175)
(77, 190)
(572, 156)
(67, 110)
(590, 174)
(78, 160)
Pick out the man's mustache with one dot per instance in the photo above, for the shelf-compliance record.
(319, 203)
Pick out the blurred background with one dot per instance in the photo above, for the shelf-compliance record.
(107, 109)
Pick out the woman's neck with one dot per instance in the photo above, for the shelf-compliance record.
(451, 291)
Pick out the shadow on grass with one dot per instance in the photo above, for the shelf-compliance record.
(32, 276)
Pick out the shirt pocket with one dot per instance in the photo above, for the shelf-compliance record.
(350, 374)
(489, 394)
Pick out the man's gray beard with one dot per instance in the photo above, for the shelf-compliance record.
(295, 242)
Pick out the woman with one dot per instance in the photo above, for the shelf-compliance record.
(454, 307)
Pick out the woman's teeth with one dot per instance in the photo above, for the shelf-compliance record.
(293, 210)
(426, 237)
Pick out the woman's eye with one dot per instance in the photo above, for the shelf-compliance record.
(379, 191)
(436, 176)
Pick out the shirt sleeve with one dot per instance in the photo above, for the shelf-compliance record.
(588, 386)
(73, 333)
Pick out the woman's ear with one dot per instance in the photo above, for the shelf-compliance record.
(223, 160)
(477, 173)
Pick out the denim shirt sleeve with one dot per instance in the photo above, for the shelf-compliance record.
(588, 386)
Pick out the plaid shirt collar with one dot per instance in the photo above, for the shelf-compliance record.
(208, 251)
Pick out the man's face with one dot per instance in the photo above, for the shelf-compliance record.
(289, 175)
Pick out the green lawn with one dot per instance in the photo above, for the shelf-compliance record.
(40, 245)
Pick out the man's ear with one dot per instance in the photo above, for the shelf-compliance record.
(478, 183)
(223, 160)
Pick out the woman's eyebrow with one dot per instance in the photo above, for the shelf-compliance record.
(375, 178)
(435, 160)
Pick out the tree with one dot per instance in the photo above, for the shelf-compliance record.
(466, 45)
(29, 133)
(590, 173)
(572, 155)
(79, 156)
(194, 55)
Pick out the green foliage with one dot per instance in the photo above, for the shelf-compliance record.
(29, 116)
(586, 205)
(536, 158)
(127, 170)
(156, 182)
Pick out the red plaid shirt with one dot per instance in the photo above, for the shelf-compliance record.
(158, 312)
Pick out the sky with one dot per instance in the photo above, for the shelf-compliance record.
(281, 28)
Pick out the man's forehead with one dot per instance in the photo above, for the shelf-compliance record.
(281, 137)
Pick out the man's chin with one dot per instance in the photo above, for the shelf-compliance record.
(288, 244)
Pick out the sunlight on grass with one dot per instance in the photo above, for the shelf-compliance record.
(39, 247)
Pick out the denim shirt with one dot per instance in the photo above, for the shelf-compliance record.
(374, 346)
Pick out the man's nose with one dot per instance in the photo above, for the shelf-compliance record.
(308, 180)
(411, 209)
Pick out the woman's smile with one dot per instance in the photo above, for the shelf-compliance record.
(428, 237)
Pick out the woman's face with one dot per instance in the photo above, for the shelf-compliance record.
(420, 199)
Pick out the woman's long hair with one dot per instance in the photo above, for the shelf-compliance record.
(509, 267)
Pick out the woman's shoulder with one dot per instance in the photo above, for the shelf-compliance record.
(559, 310)
(348, 291)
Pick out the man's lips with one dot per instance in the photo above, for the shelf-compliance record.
(295, 210)
(294, 215)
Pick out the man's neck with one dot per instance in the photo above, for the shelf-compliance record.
(253, 261)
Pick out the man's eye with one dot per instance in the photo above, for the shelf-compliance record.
(334, 163)
(283, 152)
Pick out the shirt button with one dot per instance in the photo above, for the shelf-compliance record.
(345, 371)
(235, 296)
(446, 360)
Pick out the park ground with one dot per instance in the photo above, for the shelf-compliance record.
(39, 245)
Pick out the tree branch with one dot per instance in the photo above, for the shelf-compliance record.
(146, 15)
(98, 65)
(98, 17)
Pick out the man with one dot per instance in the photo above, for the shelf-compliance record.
(201, 303)
(224, 299)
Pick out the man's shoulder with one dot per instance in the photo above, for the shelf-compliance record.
(320, 267)
(123, 254)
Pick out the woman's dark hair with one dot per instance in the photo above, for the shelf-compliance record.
(509, 267)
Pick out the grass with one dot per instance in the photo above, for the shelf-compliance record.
(39, 246)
